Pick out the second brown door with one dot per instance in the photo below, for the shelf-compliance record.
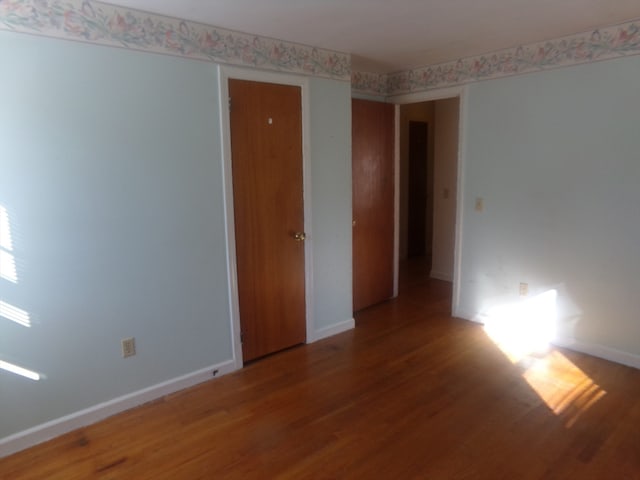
(373, 202)
(266, 150)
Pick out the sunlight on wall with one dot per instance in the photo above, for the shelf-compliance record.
(5, 232)
(23, 372)
(14, 314)
(520, 329)
(7, 260)
(8, 311)
(8, 267)
(8, 271)
(523, 331)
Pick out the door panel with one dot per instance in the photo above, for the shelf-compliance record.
(266, 149)
(373, 202)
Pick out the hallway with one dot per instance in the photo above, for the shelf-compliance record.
(419, 298)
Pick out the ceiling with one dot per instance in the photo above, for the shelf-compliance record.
(392, 35)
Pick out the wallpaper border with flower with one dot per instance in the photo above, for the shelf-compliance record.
(600, 44)
(100, 23)
(370, 83)
(104, 24)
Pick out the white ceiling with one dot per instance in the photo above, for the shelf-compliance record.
(392, 35)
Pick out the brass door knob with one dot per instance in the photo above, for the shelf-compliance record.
(299, 236)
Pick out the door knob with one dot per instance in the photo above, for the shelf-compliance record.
(299, 236)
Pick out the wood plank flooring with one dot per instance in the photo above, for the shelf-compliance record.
(410, 393)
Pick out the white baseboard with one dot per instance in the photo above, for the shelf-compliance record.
(333, 330)
(595, 350)
(600, 351)
(46, 431)
(447, 277)
(463, 314)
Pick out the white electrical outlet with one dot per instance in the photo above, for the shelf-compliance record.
(128, 347)
(524, 289)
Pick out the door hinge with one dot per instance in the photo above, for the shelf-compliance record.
(229, 103)
(241, 337)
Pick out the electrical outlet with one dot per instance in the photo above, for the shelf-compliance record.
(128, 347)
(524, 289)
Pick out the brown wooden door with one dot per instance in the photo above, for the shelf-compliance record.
(266, 150)
(373, 196)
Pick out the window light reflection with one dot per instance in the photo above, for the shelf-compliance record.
(521, 329)
(15, 314)
(5, 230)
(564, 387)
(7, 260)
(8, 267)
(523, 332)
(23, 372)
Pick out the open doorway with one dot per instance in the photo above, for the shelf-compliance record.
(419, 191)
(428, 168)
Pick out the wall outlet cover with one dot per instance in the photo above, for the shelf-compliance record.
(128, 347)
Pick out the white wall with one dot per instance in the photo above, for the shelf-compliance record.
(555, 157)
(110, 170)
(445, 175)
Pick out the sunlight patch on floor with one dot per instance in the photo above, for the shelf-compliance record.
(523, 331)
(563, 386)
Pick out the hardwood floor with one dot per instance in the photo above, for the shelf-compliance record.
(409, 393)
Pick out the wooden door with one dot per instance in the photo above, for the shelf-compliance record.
(266, 150)
(373, 202)
(417, 209)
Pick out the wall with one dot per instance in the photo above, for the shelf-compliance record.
(111, 177)
(445, 176)
(331, 193)
(554, 155)
(419, 112)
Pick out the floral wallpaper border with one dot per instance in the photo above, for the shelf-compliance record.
(101, 23)
(95, 22)
(604, 43)
(370, 83)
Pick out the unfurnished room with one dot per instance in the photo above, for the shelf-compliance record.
(319, 240)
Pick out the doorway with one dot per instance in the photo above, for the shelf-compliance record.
(428, 204)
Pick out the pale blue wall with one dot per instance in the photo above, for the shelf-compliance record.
(331, 200)
(110, 170)
(556, 157)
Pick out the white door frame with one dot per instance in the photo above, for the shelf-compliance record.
(224, 74)
(427, 96)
